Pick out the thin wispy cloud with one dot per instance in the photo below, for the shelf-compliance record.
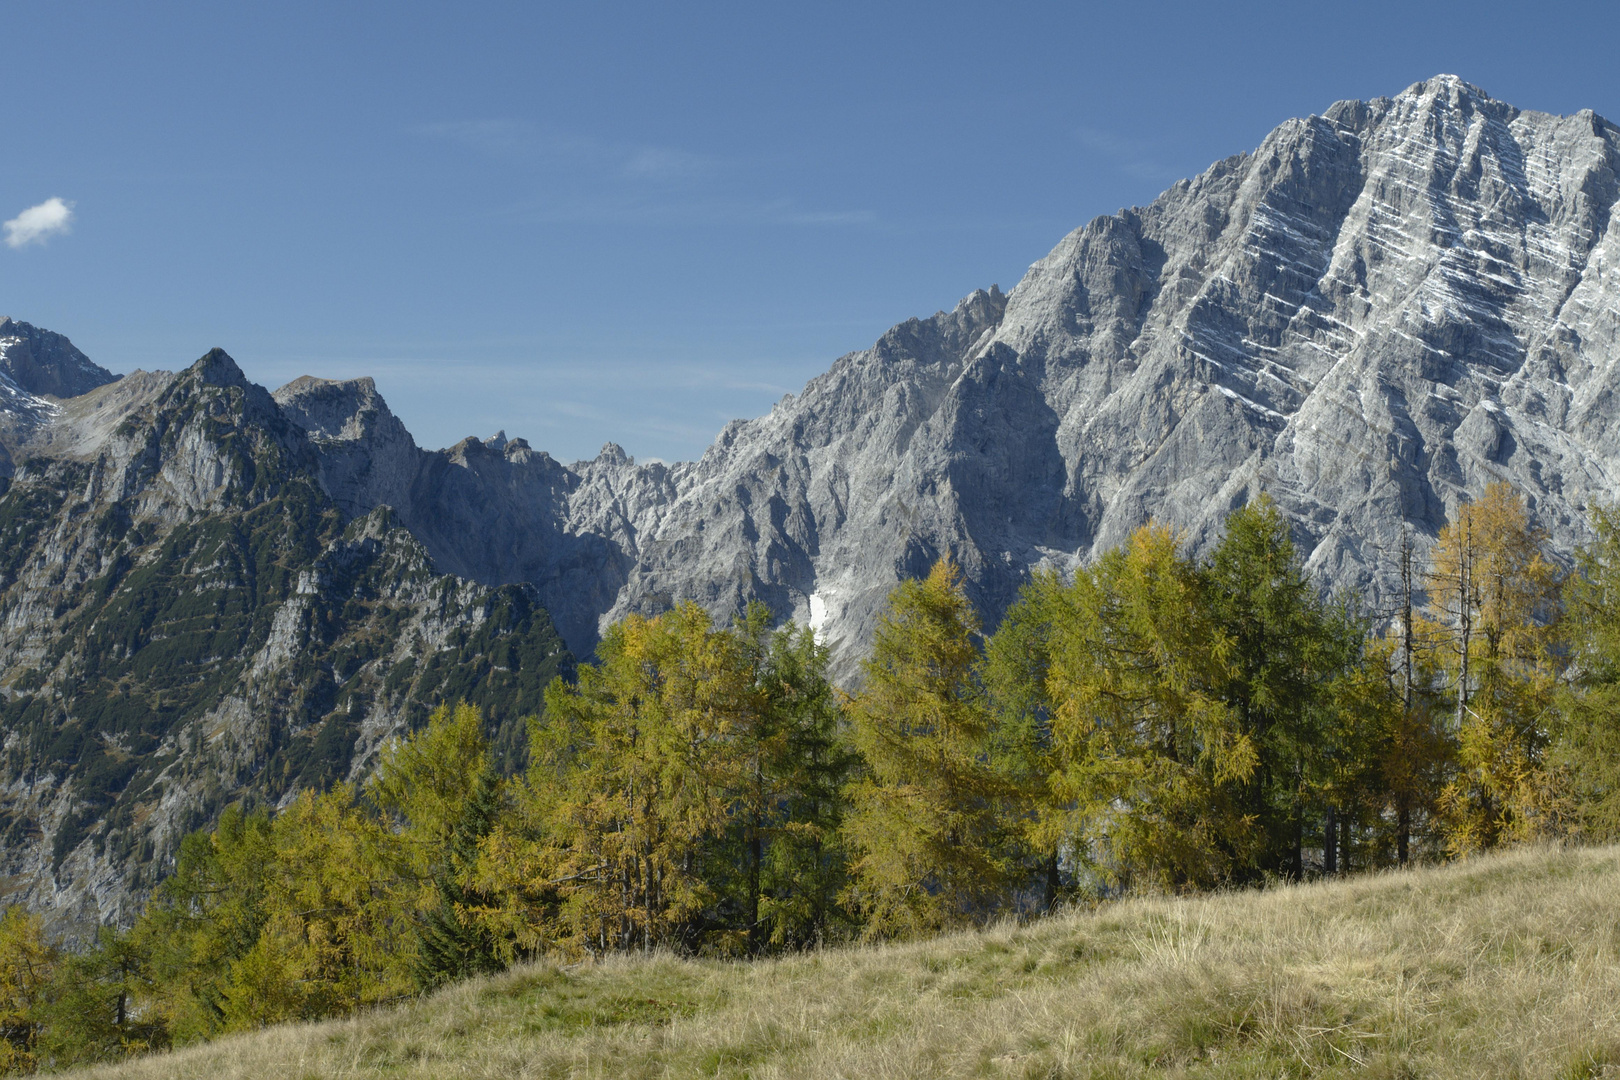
(630, 209)
(520, 141)
(37, 224)
(663, 163)
(1133, 157)
(585, 180)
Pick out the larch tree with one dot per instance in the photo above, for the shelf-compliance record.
(28, 960)
(1150, 764)
(204, 919)
(927, 825)
(630, 777)
(1494, 607)
(331, 939)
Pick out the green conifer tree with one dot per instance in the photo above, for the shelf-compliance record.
(1585, 754)
(1016, 674)
(1288, 646)
(787, 814)
(454, 939)
(441, 793)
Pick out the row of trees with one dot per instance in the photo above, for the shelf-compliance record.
(1154, 721)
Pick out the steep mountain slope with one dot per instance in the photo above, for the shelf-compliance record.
(187, 619)
(1371, 316)
(44, 363)
(210, 592)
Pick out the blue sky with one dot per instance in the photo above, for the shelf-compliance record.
(634, 222)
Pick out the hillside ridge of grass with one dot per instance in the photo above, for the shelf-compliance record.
(1504, 965)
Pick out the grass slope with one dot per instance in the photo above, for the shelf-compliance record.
(1501, 966)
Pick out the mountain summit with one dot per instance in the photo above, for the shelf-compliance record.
(41, 362)
(210, 592)
(1371, 316)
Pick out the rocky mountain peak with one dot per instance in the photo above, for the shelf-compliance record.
(216, 368)
(42, 362)
(336, 408)
(1370, 316)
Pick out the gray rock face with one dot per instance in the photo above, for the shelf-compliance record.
(37, 367)
(1371, 316)
(41, 362)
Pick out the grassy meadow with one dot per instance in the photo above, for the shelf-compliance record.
(1506, 966)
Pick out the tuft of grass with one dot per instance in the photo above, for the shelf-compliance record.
(1500, 966)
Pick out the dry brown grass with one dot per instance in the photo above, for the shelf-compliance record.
(1501, 967)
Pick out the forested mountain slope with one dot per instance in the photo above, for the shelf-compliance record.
(187, 619)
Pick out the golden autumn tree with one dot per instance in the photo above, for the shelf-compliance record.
(1493, 610)
(628, 782)
(926, 826)
(27, 963)
(1149, 762)
(333, 938)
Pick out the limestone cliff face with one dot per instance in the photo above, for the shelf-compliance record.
(1371, 316)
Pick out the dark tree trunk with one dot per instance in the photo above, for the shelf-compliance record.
(1344, 844)
(1330, 844)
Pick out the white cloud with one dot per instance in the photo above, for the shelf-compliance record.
(38, 224)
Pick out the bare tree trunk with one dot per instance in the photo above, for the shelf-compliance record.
(1346, 833)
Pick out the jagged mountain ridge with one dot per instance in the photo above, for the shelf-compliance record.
(1371, 316)
(187, 619)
